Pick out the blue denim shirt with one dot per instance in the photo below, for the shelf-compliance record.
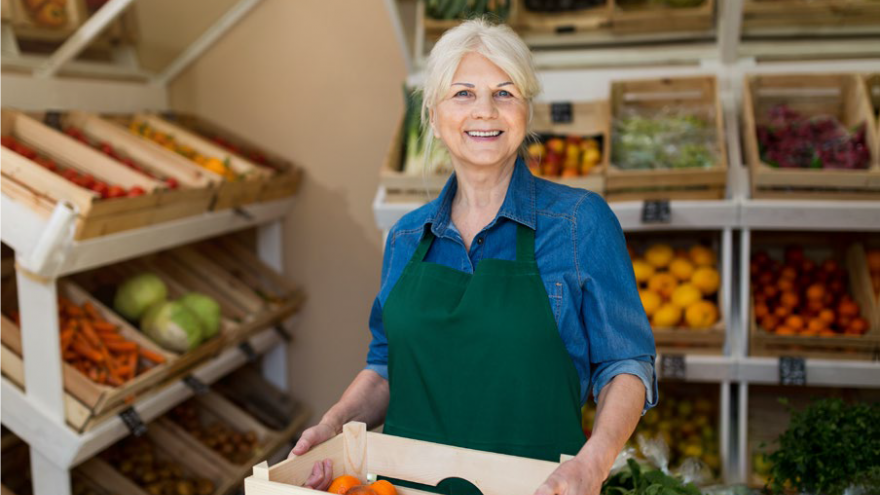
(583, 261)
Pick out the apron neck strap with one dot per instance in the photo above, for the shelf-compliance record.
(525, 243)
(423, 247)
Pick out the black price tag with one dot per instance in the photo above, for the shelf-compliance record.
(53, 120)
(792, 371)
(282, 332)
(565, 29)
(656, 211)
(172, 116)
(238, 210)
(133, 422)
(560, 112)
(673, 366)
(198, 387)
(248, 351)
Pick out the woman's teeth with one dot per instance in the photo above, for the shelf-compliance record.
(483, 134)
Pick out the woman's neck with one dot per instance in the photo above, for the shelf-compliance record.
(480, 193)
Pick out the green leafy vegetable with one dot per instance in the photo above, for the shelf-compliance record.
(633, 481)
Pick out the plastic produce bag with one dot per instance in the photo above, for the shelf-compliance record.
(668, 138)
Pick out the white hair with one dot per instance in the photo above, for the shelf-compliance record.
(497, 42)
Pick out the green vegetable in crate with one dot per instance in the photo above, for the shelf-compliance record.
(173, 326)
(632, 481)
(665, 140)
(416, 157)
(138, 293)
(206, 309)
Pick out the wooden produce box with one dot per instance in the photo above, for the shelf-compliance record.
(284, 178)
(653, 18)
(38, 187)
(434, 28)
(213, 408)
(588, 119)
(357, 452)
(863, 347)
(25, 22)
(691, 96)
(114, 469)
(856, 257)
(760, 14)
(842, 96)
(230, 194)
(681, 339)
(872, 83)
(590, 19)
(86, 402)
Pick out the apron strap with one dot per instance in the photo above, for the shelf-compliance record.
(423, 247)
(525, 243)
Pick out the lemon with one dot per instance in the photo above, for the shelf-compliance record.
(703, 256)
(666, 316)
(686, 294)
(707, 280)
(642, 270)
(701, 314)
(650, 300)
(682, 268)
(663, 284)
(659, 255)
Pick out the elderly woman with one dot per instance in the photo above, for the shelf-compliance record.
(505, 301)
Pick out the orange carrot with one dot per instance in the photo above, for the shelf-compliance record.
(132, 361)
(66, 338)
(103, 326)
(107, 337)
(82, 347)
(151, 356)
(89, 333)
(69, 356)
(124, 346)
(92, 311)
(123, 372)
(113, 380)
(74, 311)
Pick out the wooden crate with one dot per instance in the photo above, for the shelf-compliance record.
(167, 447)
(86, 402)
(591, 19)
(864, 347)
(872, 87)
(229, 194)
(758, 14)
(857, 259)
(273, 408)
(358, 452)
(588, 119)
(434, 28)
(26, 181)
(683, 340)
(661, 19)
(25, 26)
(843, 96)
(284, 176)
(697, 94)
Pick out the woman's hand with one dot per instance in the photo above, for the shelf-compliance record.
(322, 472)
(573, 477)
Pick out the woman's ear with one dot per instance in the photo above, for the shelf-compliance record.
(431, 122)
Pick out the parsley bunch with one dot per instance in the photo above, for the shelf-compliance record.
(633, 481)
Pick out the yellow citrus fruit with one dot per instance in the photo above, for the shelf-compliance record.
(682, 268)
(701, 314)
(663, 284)
(659, 255)
(707, 280)
(666, 316)
(642, 270)
(342, 484)
(686, 294)
(703, 256)
(650, 300)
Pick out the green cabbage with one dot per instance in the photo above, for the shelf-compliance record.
(171, 325)
(206, 309)
(138, 293)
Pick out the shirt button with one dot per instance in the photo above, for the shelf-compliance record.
(480, 240)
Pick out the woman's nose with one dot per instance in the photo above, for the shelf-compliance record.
(484, 108)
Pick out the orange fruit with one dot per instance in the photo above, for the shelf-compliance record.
(794, 322)
(782, 312)
(809, 333)
(816, 325)
(848, 308)
(816, 292)
(815, 307)
(769, 323)
(361, 490)
(784, 330)
(761, 311)
(770, 291)
(873, 256)
(383, 487)
(827, 333)
(343, 484)
(785, 285)
(827, 315)
(858, 325)
(789, 299)
(788, 273)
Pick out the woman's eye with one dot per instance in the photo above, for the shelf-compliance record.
(504, 93)
(463, 92)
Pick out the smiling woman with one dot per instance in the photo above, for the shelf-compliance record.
(506, 301)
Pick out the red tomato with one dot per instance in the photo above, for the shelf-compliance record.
(115, 192)
(88, 181)
(70, 174)
(100, 188)
(106, 148)
(171, 183)
(8, 141)
(136, 191)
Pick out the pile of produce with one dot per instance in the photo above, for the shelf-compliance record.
(416, 161)
(136, 459)
(467, 9)
(103, 189)
(667, 139)
(675, 4)
(563, 5)
(802, 297)
(108, 150)
(678, 288)
(792, 140)
(873, 256)
(350, 485)
(632, 481)
(47, 13)
(220, 167)
(251, 154)
(235, 446)
(94, 346)
(178, 326)
(827, 448)
(563, 156)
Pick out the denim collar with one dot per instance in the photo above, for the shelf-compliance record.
(519, 202)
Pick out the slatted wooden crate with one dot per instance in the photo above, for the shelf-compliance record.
(26, 25)
(691, 95)
(284, 176)
(86, 402)
(358, 452)
(759, 14)
(653, 18)
(864, 347)
(843, 96)
(167, 447)
(872, 83)
(25, 180)
(434, 28)
(585, 20)
(857, 259)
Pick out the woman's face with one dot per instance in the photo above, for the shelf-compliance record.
(482, 118)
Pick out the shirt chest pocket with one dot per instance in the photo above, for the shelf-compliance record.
(555, 294)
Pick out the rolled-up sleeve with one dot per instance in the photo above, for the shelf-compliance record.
(377, 356)
(617, 329)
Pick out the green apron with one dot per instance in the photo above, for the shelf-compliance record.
(476, 360)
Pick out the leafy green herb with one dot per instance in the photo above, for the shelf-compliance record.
(633, 481)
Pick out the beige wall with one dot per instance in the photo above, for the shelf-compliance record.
(319, 82)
